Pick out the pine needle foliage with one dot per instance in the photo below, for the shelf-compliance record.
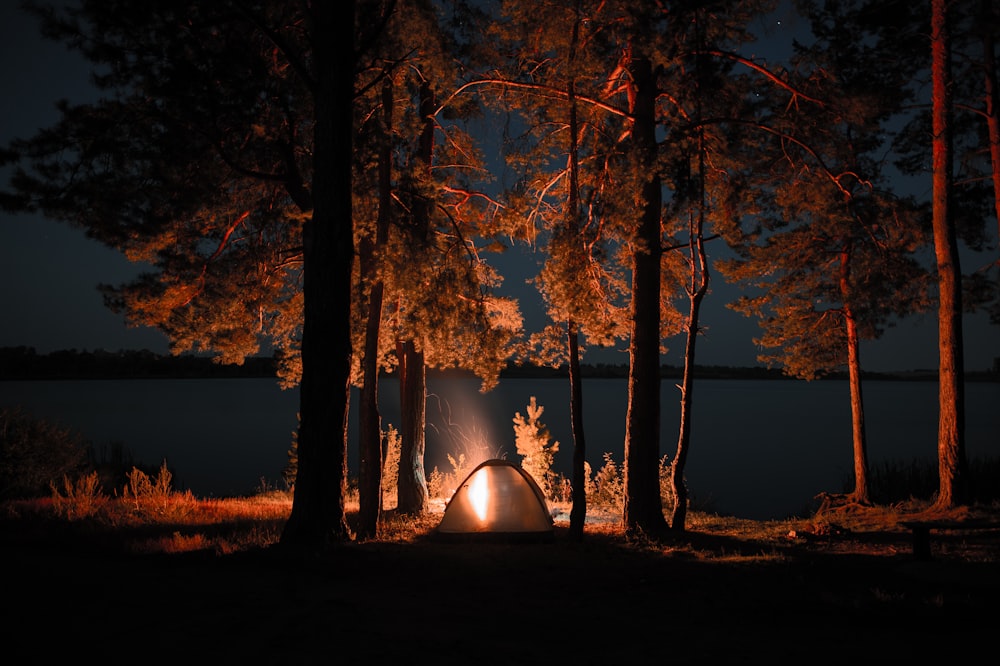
(533, 442)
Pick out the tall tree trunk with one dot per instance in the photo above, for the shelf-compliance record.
(318, 517)
(992, 112)
(412, 492)
(643, 510)
(578, 512)
(696, 293)
(951, 373)
(412, 483)
(369, 419)
(858, 434)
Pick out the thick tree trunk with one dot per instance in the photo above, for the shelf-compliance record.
(318, 515)
(412, 483)
(643, 510)
(369, 419)
(951, 373)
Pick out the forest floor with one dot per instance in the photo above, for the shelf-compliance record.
(840, 588)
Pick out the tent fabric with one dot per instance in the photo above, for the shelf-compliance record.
(499, 499)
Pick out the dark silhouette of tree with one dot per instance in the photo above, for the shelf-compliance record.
(976, 140)
(220, 153)
(989, 19)
(318, 517)
(643, 511)
(371, 249)
(36, 455)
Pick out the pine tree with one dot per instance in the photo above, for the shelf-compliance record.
(438, 306)
(533, 442)
(952, 466)
(583, 287)
(220, 154)
(832, 258)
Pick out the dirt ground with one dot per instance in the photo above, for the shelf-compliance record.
(706, 596)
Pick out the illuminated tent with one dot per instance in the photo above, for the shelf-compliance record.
(497, 500)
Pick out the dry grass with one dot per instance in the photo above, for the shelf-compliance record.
(179, 522)
(198, 580)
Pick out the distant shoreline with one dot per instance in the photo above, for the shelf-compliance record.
(23, 363)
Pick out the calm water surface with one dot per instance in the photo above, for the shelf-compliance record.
(759, 449)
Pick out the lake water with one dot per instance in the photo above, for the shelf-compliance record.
(759, 449)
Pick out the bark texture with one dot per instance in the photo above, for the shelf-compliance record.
(412, 483)
(318, 515)
(951, 374)
(643, 510)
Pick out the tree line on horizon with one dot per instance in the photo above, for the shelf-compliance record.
(316, 180)
(24, 362)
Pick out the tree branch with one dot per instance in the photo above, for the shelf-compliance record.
(549, 92)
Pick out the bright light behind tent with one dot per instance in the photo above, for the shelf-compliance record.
(497, 498)
(479, 494)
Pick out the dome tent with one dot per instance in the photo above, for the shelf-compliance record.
(497, 500)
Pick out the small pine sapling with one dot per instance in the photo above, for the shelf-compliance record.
(532, 440)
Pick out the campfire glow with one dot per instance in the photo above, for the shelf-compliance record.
(479, 495)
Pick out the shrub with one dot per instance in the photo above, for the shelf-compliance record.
(667, 496)
(82, 499)
(537, 453)
(153, 496)
(391, 446)
(113, 463)
(609, 486)
(589, 485)
(606, 489)
(561, 488)
(435, 483)
(292, 468)
(444, 484)
(35, 454)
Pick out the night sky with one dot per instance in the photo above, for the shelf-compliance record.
(49, 272)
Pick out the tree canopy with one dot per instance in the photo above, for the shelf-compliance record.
(303, 180)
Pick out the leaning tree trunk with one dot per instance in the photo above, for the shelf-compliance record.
(369, 419)
(696, 293)
(951, 373)
(318, 516)
(643, 510)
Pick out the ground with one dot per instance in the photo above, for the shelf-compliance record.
(724, 591)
